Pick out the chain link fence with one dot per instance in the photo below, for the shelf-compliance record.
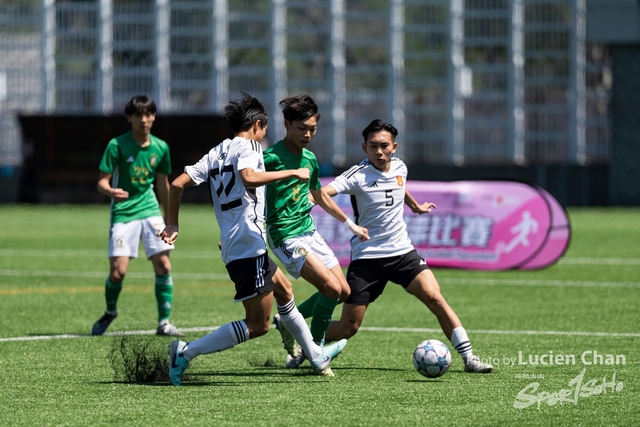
(466, 82)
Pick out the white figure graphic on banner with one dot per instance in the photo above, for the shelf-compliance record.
(522, 230)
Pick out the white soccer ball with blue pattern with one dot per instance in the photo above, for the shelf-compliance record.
(432, 358)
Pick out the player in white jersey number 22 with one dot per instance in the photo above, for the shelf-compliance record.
(235, 172)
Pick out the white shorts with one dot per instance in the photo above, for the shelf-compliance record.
(293, 252)
(124, 237)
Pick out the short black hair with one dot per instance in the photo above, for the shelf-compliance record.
(242, 114)
(140, 104)
(378, 125)
(299, 108)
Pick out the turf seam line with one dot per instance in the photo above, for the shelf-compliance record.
(212, 276)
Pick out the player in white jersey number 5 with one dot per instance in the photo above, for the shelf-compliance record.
(377, 189)
(234, 170)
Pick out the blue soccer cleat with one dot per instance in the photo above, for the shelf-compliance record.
(329, 352)
(177, 362)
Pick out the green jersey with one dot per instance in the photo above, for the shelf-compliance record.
(288, 207)
(133, 168)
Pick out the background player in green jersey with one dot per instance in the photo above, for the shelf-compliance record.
(290, 228)
(130, 165)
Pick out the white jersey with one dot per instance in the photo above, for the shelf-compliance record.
(378, 205)
(239, 210)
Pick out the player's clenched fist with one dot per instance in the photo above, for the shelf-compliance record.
(303, 174)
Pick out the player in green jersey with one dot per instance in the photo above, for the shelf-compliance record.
(291, 230)
(130, 166)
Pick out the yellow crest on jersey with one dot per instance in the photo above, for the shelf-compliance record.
(399, 179)
(153, 160)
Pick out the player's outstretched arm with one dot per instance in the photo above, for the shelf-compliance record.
(170, 232)
(251, 178)
(104, 187)
(331, 192)
(326, 202)
(415, 207)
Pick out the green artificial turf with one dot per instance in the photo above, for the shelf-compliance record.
(52, 270)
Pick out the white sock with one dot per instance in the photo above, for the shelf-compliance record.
(460, 341)
(295, 323)
(223, 338)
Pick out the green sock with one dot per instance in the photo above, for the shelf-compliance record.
(164, 296)
(322, 312)
(306, 308)
(111, 293)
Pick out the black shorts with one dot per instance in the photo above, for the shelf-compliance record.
(252, 276)
(368, 277)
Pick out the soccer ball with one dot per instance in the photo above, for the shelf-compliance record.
(432, 358)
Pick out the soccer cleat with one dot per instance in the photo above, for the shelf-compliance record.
(287, 339)
(294, 362)
(326, 373)
(177, 362)
(475, 365)
(103, 323)
(169, 330)
(329, 353)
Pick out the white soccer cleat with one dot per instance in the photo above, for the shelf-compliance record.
(475, 365)
(287, 339)
(294, 361)
(168, 330)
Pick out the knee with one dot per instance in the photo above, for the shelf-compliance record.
(345, 294)
(332, 289)
(282, 295)
(117, 276)
(163, 267)
(349, 331)
(434, 298)
(258, 329)
(163, 270)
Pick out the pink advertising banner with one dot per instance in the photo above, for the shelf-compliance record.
(478, 225)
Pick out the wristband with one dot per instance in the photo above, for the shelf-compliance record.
(349, 223)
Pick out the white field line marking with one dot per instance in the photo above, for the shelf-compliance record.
(213, 276)
(499, 332)
(103, 274)
(368, 329)
(94, 253)
(107, 334)
(560, 283)
(216, 255)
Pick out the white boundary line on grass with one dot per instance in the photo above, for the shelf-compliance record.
(216, 255)
(368, 329)
(102, 274)
(95, 253)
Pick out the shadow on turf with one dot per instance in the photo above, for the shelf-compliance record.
(144, 360)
